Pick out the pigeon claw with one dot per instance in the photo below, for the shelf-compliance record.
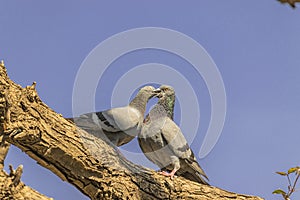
(164, 173)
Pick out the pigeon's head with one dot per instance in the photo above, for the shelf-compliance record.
(166, 99)
(166, 91)
(149, 91)
(140, 100)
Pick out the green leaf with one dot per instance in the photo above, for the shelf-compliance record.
(292, 170)
(279, 191)
(282, 173)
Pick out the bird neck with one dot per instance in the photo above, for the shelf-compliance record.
(140, 102)
(168, 103)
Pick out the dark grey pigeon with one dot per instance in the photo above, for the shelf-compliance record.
(121, 124)
(163, 143)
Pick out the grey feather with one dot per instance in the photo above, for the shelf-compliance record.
(120, 124)
(164, 144)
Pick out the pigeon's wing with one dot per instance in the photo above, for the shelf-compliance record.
(177, 143)
(174, 138)
(119, 138)
(116, 119)
(192, 170)
(86, 123)
(147, 147)
(120, 125)
(151, 142)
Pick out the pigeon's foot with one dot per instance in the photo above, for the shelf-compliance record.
(164, 173)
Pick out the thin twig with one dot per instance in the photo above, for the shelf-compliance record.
(293, 188)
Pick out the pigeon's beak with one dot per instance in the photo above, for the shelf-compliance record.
(157, 92)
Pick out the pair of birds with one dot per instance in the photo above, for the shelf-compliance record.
(160, 139)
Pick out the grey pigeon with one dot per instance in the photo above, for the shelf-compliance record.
(120, 124)
(163, 143)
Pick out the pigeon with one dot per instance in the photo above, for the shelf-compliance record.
(163, 143)
(120, 124)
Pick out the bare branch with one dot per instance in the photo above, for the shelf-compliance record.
(91, 164)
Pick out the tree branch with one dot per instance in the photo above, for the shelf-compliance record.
(89, 163)
(10, 185)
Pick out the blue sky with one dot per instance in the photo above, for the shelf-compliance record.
(254, 44)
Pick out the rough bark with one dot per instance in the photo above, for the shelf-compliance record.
(10, 185)
(92, 165)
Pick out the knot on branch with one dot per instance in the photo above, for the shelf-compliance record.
(31, 93)
(2, 66)
(16, 174)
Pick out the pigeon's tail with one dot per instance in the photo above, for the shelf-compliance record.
(194, 172)
(195, 176)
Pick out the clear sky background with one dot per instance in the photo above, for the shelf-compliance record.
(255, 45)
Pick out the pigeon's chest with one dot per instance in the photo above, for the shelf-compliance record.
(151, 136)
(151, 131)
